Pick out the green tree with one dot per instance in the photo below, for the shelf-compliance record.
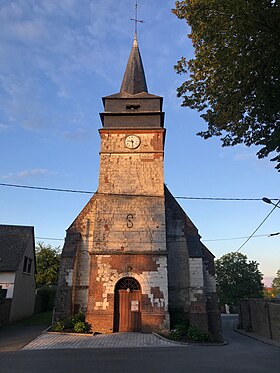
(237, 278)
(234, 78)
(268, 293)
(47, 264)
(276, 284)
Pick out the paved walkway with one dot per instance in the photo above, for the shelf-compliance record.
(49, 341)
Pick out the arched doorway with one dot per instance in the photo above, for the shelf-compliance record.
(127, 312)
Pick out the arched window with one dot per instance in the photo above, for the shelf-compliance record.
(128, 283)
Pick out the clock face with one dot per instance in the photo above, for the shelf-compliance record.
(132, 141)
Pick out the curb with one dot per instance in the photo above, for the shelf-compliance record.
(70, 334)
(190, 343)
(258, 338)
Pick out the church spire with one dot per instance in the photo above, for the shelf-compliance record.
(134, 80)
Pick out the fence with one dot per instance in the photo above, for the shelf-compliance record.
(261, 317)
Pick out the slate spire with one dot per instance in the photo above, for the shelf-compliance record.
(134, 80)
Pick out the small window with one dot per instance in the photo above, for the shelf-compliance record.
(133, 107)
(29, 265)
(25, 264)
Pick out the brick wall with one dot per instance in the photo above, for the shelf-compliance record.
(151, 273)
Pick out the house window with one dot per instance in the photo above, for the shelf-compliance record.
(3, 293)
(27, 263)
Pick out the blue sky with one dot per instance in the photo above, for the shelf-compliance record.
(57, 59)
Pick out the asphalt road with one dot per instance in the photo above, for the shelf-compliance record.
(240, 355)
(14, 336)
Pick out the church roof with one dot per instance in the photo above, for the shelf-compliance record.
(13, 243)
(134, 80)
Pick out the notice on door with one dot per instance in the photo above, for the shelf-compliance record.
(135, 305)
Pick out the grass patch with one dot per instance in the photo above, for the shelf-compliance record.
(42, 318)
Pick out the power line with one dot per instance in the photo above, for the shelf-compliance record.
(209, 240)
(241, 238)
(93, 192)
(258, 227)
(219, 198)
(45, 188)
(49, 238)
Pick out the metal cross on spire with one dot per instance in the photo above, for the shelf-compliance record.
(136, 20)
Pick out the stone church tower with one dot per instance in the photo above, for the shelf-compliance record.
(132, 259)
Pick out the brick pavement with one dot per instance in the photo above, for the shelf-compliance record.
(116, 340)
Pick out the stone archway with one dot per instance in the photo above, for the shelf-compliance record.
(127, 309)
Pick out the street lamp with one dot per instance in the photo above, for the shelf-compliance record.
(267, 200)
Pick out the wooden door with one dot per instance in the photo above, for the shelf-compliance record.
(129, 310)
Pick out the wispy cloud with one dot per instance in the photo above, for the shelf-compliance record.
(48, 50)
(249, 156)
(80, 134)
(245, 156)
(27, 174)
(55, 54)
(4, 127)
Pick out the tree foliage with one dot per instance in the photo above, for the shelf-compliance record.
(237, 278)
(276, 283)
(234, 78)
(47, 264)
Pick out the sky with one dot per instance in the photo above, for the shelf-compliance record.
(57, 60)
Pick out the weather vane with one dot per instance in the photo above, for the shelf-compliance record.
(136, 20)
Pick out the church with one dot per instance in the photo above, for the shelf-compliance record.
(132, 259)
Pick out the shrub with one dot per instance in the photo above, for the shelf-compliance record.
(81, 327)
(45, 298)
(68, 323)
(80, 316)
(58, 326)
(179, 331)
(197, 335)
(72, 323)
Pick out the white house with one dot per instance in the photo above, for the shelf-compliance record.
(17, 272)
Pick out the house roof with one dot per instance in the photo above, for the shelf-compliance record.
(13, 243)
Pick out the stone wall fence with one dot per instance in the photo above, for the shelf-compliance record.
(261, 316)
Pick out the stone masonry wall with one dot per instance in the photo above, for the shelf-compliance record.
(65, 292)
(124, 224)
(260, 316)
(122, 232)
(178, 259)
(198, 314)
(214, 316)
(136, 171)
